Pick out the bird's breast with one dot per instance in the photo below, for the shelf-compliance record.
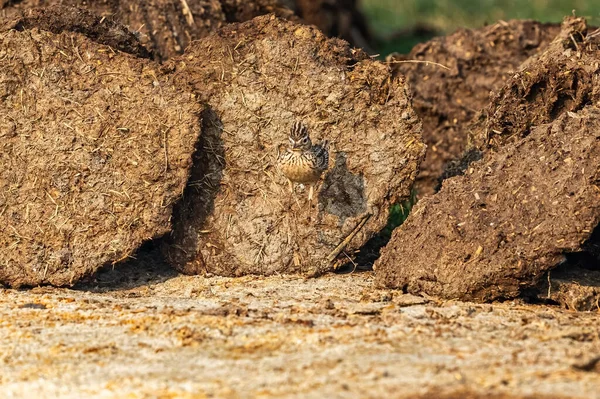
(299, 168)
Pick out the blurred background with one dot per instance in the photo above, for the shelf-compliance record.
(397, 25)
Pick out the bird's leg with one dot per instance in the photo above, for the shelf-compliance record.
(314, 187)
(293, 192)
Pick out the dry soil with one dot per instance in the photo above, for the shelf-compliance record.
(125, 335)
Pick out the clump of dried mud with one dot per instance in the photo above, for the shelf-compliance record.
(59, 19)
(95, 145)
(564, 78)
(573, 286)
(575, 283)
(336, 18)
(456, 81)
(493, 232)
(165, 27)
(258, 78)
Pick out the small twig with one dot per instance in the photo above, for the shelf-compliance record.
(76, 50)
(418, 62)
(338, 250)
(122, 258)
(350, 259)
(189, 17)
(593, 34)
(574, 42)
(166, 151)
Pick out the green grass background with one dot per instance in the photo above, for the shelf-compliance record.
(389, 16)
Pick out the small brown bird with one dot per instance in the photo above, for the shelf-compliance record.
(304, 162)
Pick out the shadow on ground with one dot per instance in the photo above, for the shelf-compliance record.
(146, 266)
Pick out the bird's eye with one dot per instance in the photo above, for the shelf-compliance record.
(305, 140)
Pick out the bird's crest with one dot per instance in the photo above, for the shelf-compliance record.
(299, 130)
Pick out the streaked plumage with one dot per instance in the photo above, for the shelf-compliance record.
(304, 162)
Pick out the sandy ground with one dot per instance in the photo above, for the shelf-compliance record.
(161, 335)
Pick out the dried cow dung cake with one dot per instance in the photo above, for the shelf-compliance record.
(95, 147)
(572, 286)
(165, 27)
(563, 78)
(337, 18)
(492, 233)
(479, 61)
(575, 283)
(59, 19)
(258, 78)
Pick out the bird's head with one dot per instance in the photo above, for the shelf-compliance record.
(299, 138)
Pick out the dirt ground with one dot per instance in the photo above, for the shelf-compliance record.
(150, 333)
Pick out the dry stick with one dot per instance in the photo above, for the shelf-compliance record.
(574, 42)
(593, 34)
(353, 263)
(338, 250)
(418, 62)
(189, 17)
(166, 152)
